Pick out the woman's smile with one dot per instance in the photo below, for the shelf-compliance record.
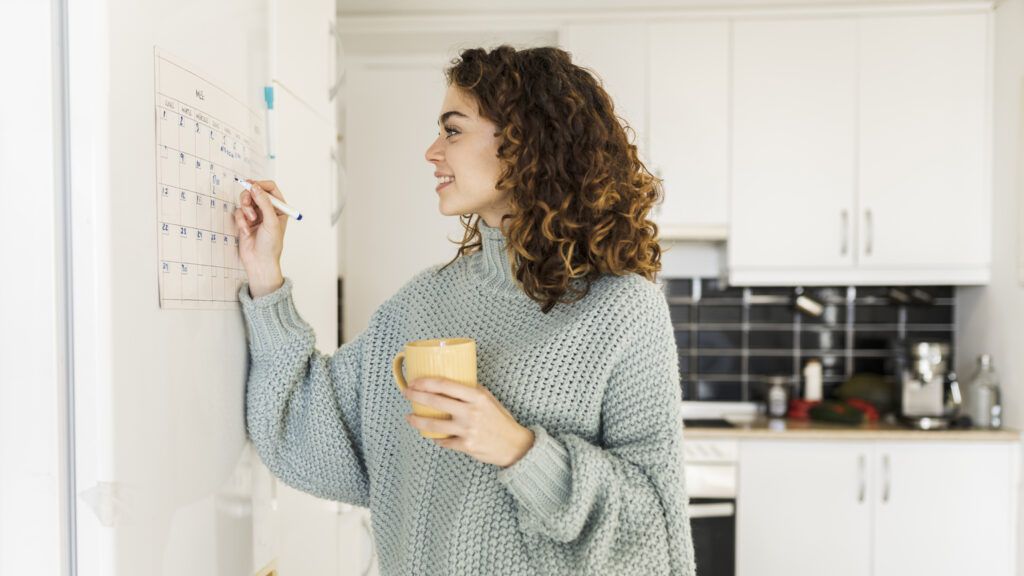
(444, 181)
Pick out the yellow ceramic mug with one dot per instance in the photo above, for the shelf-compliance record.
(449, 358)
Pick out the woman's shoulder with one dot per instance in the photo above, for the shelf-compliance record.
(631, 292)
(629, 303)
(635, 312)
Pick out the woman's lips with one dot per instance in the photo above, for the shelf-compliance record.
(439, 186)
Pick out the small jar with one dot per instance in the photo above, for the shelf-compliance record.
(778, 396)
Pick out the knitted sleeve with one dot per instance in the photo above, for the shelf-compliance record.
(619, 507)
(302, 407)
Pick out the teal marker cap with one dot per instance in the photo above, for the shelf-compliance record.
(268, 96)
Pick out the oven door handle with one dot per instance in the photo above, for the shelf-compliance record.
(718, 510)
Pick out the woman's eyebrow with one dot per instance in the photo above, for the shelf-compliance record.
(448, 114)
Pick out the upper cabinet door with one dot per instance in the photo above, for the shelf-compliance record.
(617, 54)
(793, 133)
(945, 508)
(924, 142)
(689, 126)
(303, 48)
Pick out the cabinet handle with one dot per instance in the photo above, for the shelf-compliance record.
(656, 209)
(718, 510)
(334, 47)
(863, 479)
(845, 235)
(869, 225)
(368, 529)
(335, 191)
(885, 478)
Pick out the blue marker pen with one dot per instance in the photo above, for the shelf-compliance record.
(273, 200)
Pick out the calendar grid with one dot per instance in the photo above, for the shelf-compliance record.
(213, 128)
(200, 150)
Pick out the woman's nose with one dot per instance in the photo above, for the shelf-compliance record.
(433, 153)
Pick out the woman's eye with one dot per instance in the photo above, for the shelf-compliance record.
(451, 131)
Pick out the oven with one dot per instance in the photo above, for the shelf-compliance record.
(713, 525)
(711, 485)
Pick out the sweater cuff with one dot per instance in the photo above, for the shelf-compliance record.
(272, 318)
(542, 479)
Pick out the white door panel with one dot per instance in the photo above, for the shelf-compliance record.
(943, 509)
(689, 123)
(793, 144)
(924, 189)
(305, 175)
(804, 509)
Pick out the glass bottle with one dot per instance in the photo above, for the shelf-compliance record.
(983, 402)
(778, 397)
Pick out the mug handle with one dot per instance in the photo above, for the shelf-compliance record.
(396, 368)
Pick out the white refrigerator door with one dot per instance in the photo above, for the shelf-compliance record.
(162, 472)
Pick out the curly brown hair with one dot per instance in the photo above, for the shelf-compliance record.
(578, 192)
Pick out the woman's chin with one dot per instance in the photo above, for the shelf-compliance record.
(448, 210)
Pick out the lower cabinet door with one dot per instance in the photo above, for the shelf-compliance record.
(944, 508)
(308, 528)
(804, 508)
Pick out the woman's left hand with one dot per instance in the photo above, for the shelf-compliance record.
(480, 426)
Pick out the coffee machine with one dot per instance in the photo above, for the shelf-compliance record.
(923, 381)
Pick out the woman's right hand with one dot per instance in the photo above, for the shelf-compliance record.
(261, 237)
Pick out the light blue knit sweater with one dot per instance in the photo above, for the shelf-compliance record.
(600, 492)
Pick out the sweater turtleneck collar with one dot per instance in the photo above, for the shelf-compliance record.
(492, 268)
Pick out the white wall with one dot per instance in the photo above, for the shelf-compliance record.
(31, 486)
(991, 318)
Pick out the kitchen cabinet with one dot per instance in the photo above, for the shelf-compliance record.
(923, 144)
(303, 49)
(670, 82)
(688, 129)
(794, 84)
(617, 54)
(306, 178)
(877, 508)
(803, 509)
(860, 150)
(358, 555)
(308, 529)
(943, 508)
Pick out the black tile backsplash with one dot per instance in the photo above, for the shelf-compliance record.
(770, 314)
(711, 313)
(816, 338)
(680, 313)
(730, 338)
(719, 339)
(771, 339)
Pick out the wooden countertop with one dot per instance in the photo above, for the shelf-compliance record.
(766, 429)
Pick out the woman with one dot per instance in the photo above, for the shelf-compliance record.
(568, 458)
